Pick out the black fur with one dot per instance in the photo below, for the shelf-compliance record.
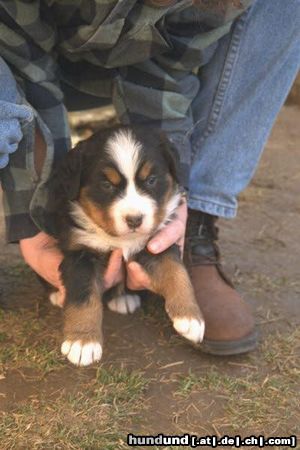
(84, 177)
(82, 167)
(79, 270)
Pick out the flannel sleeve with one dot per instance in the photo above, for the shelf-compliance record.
(16, 127)
(29, 86)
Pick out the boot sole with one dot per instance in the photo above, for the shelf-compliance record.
(227, 348)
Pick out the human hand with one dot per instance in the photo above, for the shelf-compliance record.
(173, 233)
(42, 255)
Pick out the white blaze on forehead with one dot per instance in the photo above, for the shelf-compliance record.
(125, 151)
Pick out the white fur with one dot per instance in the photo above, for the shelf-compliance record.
(56, 299)
(82, 354)
(96, 238)
(171, 207)
(125, 304)
(192, 329)
(133, 204)
(125, 150)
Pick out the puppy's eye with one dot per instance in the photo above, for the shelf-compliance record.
(151, 180)
(107, 185)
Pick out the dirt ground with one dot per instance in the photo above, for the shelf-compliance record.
(150, 380)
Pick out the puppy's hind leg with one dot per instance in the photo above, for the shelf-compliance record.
(121, 300)
(83, 341)
(170, 279)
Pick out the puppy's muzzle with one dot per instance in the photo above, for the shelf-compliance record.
(134, 221)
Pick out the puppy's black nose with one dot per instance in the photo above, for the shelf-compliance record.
(134, 221)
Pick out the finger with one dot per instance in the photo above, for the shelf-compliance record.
(114, 272)
(169, 235)
(172, 233)
(180, 243)
(137, 278)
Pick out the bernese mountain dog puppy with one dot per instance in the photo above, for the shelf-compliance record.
(115, 190)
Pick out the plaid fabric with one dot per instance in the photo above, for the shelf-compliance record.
(144, 58)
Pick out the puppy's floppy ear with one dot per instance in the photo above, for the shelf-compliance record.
(67, 178)
(62, 186)
(171, 156)
(69, 174)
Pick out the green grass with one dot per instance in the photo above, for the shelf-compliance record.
(121, 385)
(94, 417)
(26, 342)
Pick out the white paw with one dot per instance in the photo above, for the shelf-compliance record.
(125, 304)
(82, 354)
(192, 329)
(56, 299)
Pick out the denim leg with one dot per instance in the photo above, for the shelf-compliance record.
(242, 90)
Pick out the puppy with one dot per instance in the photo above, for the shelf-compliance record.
(116, 190)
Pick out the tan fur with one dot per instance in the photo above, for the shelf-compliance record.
(145, 171)
(171, 280)
(112, 175)
(100, 217)
(83, 322)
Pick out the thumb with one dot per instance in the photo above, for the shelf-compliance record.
(137, 278)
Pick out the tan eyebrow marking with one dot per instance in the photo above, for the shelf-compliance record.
(113, 176)
(145, 170)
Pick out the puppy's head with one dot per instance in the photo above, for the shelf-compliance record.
(129, 183)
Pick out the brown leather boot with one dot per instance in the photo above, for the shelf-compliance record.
(229, 322)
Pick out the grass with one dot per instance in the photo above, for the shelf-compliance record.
(263, 399)
(26, 342)
(96, 414)
(94, 417)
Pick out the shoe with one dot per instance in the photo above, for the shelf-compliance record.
(229, 322)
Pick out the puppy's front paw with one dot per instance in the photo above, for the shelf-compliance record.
(82, 353)
(125, 304)
(190, 328)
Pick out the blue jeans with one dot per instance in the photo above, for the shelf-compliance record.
(242, 90)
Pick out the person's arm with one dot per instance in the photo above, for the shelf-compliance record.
(16, 117)
(29, 82)
(25, 78)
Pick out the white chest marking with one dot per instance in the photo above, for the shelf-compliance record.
(96, 238)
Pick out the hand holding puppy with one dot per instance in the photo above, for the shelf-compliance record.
(42, 255)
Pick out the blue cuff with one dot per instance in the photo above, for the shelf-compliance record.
(12, 117)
